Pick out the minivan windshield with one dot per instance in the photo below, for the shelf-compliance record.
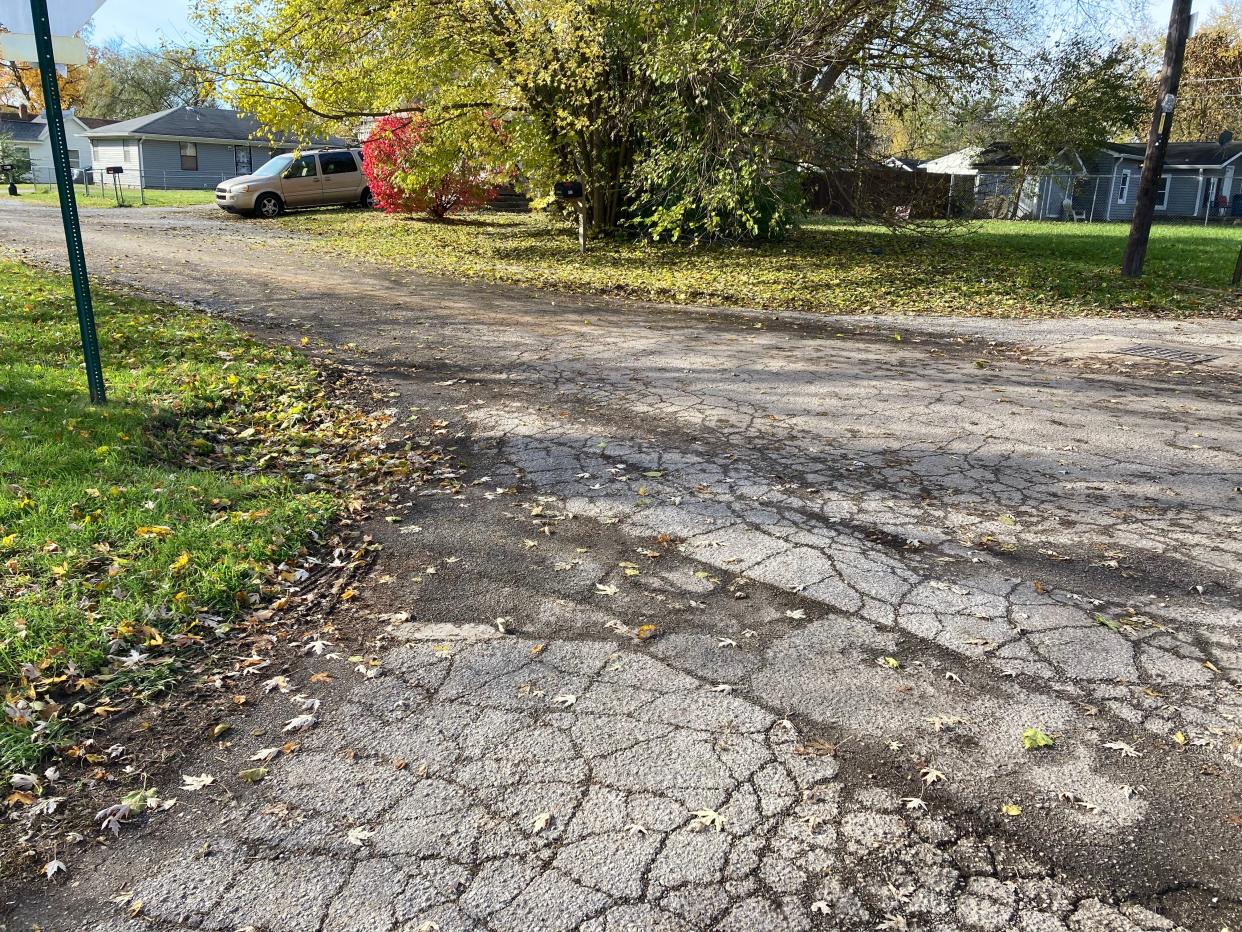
(273, 167)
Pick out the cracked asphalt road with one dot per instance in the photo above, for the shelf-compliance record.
(789, 502)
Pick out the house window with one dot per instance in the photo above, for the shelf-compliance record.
(1123, 186)
(241, 160)
(189, 157)
(127, 150)
(1162, 192)
(75, 160)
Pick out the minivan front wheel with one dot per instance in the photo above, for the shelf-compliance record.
(268, 206)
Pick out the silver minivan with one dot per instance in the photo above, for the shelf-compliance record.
(314, 178)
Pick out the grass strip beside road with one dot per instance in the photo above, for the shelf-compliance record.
(156, 522)
(103, 196)
(996, 269)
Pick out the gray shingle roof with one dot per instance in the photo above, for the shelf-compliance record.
(1204, 154)
(1184, 154)
(997, 155)
(190, 123)
(22, 130)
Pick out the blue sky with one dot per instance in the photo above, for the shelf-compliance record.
(146, 22)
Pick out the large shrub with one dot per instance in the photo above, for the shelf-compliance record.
(411, 171)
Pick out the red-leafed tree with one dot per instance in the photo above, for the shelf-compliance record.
(413, 168)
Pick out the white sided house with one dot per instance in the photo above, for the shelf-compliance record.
(185, 147)
(28, 134)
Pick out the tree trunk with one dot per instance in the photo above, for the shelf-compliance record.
(1017, 194)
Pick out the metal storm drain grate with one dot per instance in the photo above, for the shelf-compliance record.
(1190, 357)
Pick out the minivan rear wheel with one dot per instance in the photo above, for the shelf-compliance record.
(268, 206)
(367, 200)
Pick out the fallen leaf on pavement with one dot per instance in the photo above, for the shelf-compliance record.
(932, 775)
(300, 722)
(707, 818)
(1033, 739)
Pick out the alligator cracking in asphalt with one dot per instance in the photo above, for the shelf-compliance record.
(859, 548)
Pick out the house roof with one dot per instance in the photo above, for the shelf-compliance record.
(22, 130)
(189, 123)
(999, 156)
(910, 165)
(1183, 154)
(960, 161)
(996, 155)
(94, 122)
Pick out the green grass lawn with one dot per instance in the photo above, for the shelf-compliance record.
(130, 529)
(104, 197)
(995, 268)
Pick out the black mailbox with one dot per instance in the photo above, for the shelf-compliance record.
(6, 168)
(568, 190)
(115, 170)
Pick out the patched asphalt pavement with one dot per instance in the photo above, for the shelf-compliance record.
(780, 597)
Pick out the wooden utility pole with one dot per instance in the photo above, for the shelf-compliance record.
(1157, 140)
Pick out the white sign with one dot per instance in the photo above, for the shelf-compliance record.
(66, 16)
(66, 50)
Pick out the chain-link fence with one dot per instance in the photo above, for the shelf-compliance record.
(1182, 195)
(88, 179)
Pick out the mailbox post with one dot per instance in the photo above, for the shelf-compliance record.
(116, 171)
(572, 191)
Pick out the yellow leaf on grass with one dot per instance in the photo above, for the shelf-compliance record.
(179, 564)
(155, 530)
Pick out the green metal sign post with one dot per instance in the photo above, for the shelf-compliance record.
(68, 202)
